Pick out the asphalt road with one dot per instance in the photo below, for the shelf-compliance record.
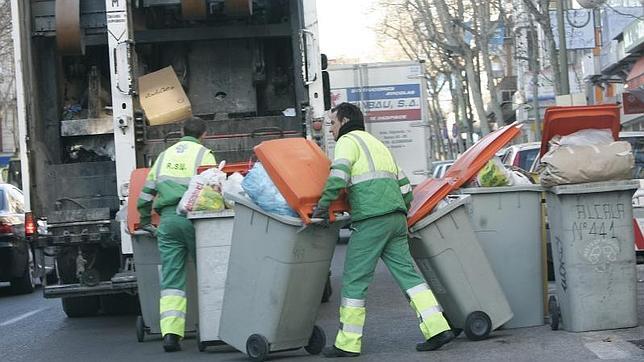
(36, 329)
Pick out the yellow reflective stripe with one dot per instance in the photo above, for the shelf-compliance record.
(339, 174)
(172, 302)
(173, 313)
(365, 149)
(372, 176)
(347, 341)
(355, 303)
(426, 313)
(199, 158)
(152, 185)
(145, 196)
(351, 328)
(180, 180)
(411, 292)
(351, 315)
(172, 292)
(173, 325)
(341, 161)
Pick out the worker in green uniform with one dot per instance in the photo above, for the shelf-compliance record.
(166, 183)
(379, 195)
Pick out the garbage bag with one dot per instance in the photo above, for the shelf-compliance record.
(204, 192)
(493, 174)
(584, 137)
(588, 163)
(261, 189)
(232, 185)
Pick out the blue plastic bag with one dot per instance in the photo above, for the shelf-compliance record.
(261, 189)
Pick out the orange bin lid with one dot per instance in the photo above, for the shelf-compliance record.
(137, 181)
(299, 169)
(229, 168)
(563, 121)
(430, 192)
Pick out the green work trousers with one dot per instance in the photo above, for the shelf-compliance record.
(176, 238)
(372, 239)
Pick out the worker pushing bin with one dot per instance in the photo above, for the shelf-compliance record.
(148, 269)
(592, 239)
(449, 256)
(276, 276)
(279, 265)
(507, 223)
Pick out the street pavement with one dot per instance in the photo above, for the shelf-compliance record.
(36, 329)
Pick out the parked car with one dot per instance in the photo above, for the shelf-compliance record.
(16, 259)
(440, 167)
(522, 155)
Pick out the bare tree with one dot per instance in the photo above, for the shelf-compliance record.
(539, 9)
(7, 77)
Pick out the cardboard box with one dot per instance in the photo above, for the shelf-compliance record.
(162, 97)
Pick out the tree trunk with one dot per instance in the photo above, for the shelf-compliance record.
(475, 93)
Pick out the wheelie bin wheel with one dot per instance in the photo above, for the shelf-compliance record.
(555, 313)
(477, 326)
(316, 342)
(257, 347)
(140, 329)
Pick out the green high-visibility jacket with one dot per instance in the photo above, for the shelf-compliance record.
(375, 184)
(170, 176)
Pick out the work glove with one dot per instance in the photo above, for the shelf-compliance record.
(150, 229)
(320, 212)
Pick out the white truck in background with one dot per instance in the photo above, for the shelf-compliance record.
(393, 98)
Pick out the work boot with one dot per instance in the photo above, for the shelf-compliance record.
(436, 342)
(171, 343)
(335, 352)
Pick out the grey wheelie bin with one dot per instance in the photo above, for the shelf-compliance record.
(147, 262)
(276, 275)
(449, 256)
(592, 241)
(213, 233)
(507, 223)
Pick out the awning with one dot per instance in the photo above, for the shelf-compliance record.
(635, 77)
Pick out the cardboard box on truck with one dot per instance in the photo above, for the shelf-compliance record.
(162, 97)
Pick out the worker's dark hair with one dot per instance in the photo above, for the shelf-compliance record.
(194, 127)
(349, 111)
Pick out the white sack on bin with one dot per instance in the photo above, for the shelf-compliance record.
(588, 163)
(584, 137)
(233, 186)
(204, 192)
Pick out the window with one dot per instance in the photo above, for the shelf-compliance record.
(16, 201)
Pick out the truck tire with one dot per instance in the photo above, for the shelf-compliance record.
(77, 307)
(25, 283)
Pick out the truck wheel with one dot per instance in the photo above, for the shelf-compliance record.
(76, 307)
(25, 283)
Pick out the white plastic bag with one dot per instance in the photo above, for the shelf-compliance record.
(232, 185)
(204, 192)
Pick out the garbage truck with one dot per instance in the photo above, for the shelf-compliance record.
(251, 69)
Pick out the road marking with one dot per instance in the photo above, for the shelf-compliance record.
(607, 350)
(21, 317)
